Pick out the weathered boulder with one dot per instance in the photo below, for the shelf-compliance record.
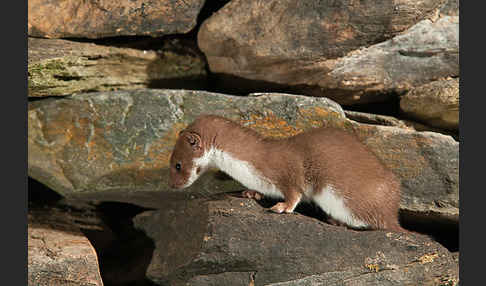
(59, 254)
(377, 119)
(109, 18)
(60, 67)
(234, 241)
(450, 8)
(352, 52)
(122, 140)
(435, 103)
(426, 52)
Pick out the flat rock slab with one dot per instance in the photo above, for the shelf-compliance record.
(123, 140)
(61, 67)
(110, 18)
(435, 103)
(60, 254)
(352, 52)
(234, 241)
(428, 51)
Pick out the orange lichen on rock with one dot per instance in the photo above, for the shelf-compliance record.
(270, 125)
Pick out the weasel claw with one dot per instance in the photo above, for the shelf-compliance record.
(252, 195)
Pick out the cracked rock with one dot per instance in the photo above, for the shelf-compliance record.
(110, 18)
(352, 52)
(59, 254)
(61, 67)
(234, 241)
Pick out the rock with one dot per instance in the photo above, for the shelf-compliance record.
(97, 19)
(102, 141)
(352, 53)
(234, 241)
(59, 254)
(450, 8)
(61, 67)
(376, 119)
(122, 140)
(427, 164)
(435, 103)
(426, 52)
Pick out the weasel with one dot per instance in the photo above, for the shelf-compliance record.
(325, 165)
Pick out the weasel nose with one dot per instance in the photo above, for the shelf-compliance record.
(171, 184)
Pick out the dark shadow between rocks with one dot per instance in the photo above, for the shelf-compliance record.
(190, 82)
(124, 253)
(389, 107)
(40, 195)
(444, 231)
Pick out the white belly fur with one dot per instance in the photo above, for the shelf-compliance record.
(335, 207)
(244, 173)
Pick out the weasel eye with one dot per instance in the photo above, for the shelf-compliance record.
(178, 166)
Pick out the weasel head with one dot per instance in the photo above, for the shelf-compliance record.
(188, 160)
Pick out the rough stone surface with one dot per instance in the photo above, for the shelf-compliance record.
(426, 52)
(426, 162)
(59, 254)
(122, 140)
(60, 67)
(450, 8)
(234, 241)
(109, 18)
(376, 119)
(351, 52)
(435, 103)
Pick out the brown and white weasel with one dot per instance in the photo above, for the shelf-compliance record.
(325, 165)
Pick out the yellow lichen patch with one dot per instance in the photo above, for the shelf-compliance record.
(427, 258)
(316, 117)
(373, 267)
(270, 125)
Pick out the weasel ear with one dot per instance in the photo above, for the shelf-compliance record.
(193, 139)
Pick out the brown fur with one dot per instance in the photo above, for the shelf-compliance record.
(319, 157)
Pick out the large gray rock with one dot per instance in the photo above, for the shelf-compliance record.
(122, 140)
(234, 241)
(435, 103)
(351, 52)
(109, 18)
(60, 67)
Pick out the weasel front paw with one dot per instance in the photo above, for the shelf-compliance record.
(282, 207)
(251, 194)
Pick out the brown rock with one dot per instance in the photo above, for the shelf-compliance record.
(59, 254)
(122, 140)
(234, 241)
(435, 104)
(60, 67)
(349, 52)
(109, 18)
(426, 52)
(450, 8)
(376, 119)
(415, 158)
